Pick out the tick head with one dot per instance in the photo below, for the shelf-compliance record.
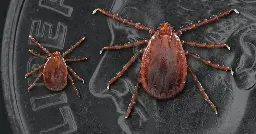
(56, 53)
(165, 28)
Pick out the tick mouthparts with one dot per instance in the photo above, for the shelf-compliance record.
(108, 87)
(95, 10)
(216, 112)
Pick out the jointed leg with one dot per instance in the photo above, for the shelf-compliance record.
(72, 47)
(34, 83)
(133, 101)
(33, 71)
(126, 45)
(119, 74)
(204, 45)
(74, 73)
(40, 46)
(76, 59)
(74, 87)
(125, 21)
(37, 54)
(216, 66)
(205, 96)
(206, 21)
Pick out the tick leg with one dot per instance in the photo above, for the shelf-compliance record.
(76, 59)
(74, 73)
(33, 71)
(40, 46)
(74, 87)
(119, 74)
(133, 101)
(126, 45)
(205, 96)
(37, 54)
(204, 45)
(125, 21)
(206, 21)
(34, 83)
(207, 62)
(72, 47)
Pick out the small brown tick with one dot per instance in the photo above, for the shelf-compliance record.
(55, 71)
(164, 66)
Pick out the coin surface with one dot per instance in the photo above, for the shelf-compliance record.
(59, 24)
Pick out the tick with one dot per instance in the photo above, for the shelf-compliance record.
(164, 66)
(55, 70)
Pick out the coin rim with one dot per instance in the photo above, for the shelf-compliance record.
(9, 36)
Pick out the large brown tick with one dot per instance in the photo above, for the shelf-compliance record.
(55, 71)
(164, 66)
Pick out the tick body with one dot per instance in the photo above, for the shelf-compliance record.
(164, 66)
(55, 71)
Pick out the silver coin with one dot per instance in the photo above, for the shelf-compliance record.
(59, 24)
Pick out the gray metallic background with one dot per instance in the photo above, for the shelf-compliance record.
(59, 24)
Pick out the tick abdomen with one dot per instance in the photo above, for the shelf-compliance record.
(55, 74)
(163, 67)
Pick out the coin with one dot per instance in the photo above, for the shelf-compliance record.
(60, 23)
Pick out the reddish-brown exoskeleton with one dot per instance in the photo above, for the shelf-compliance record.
(164, 66)
(55, 71)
